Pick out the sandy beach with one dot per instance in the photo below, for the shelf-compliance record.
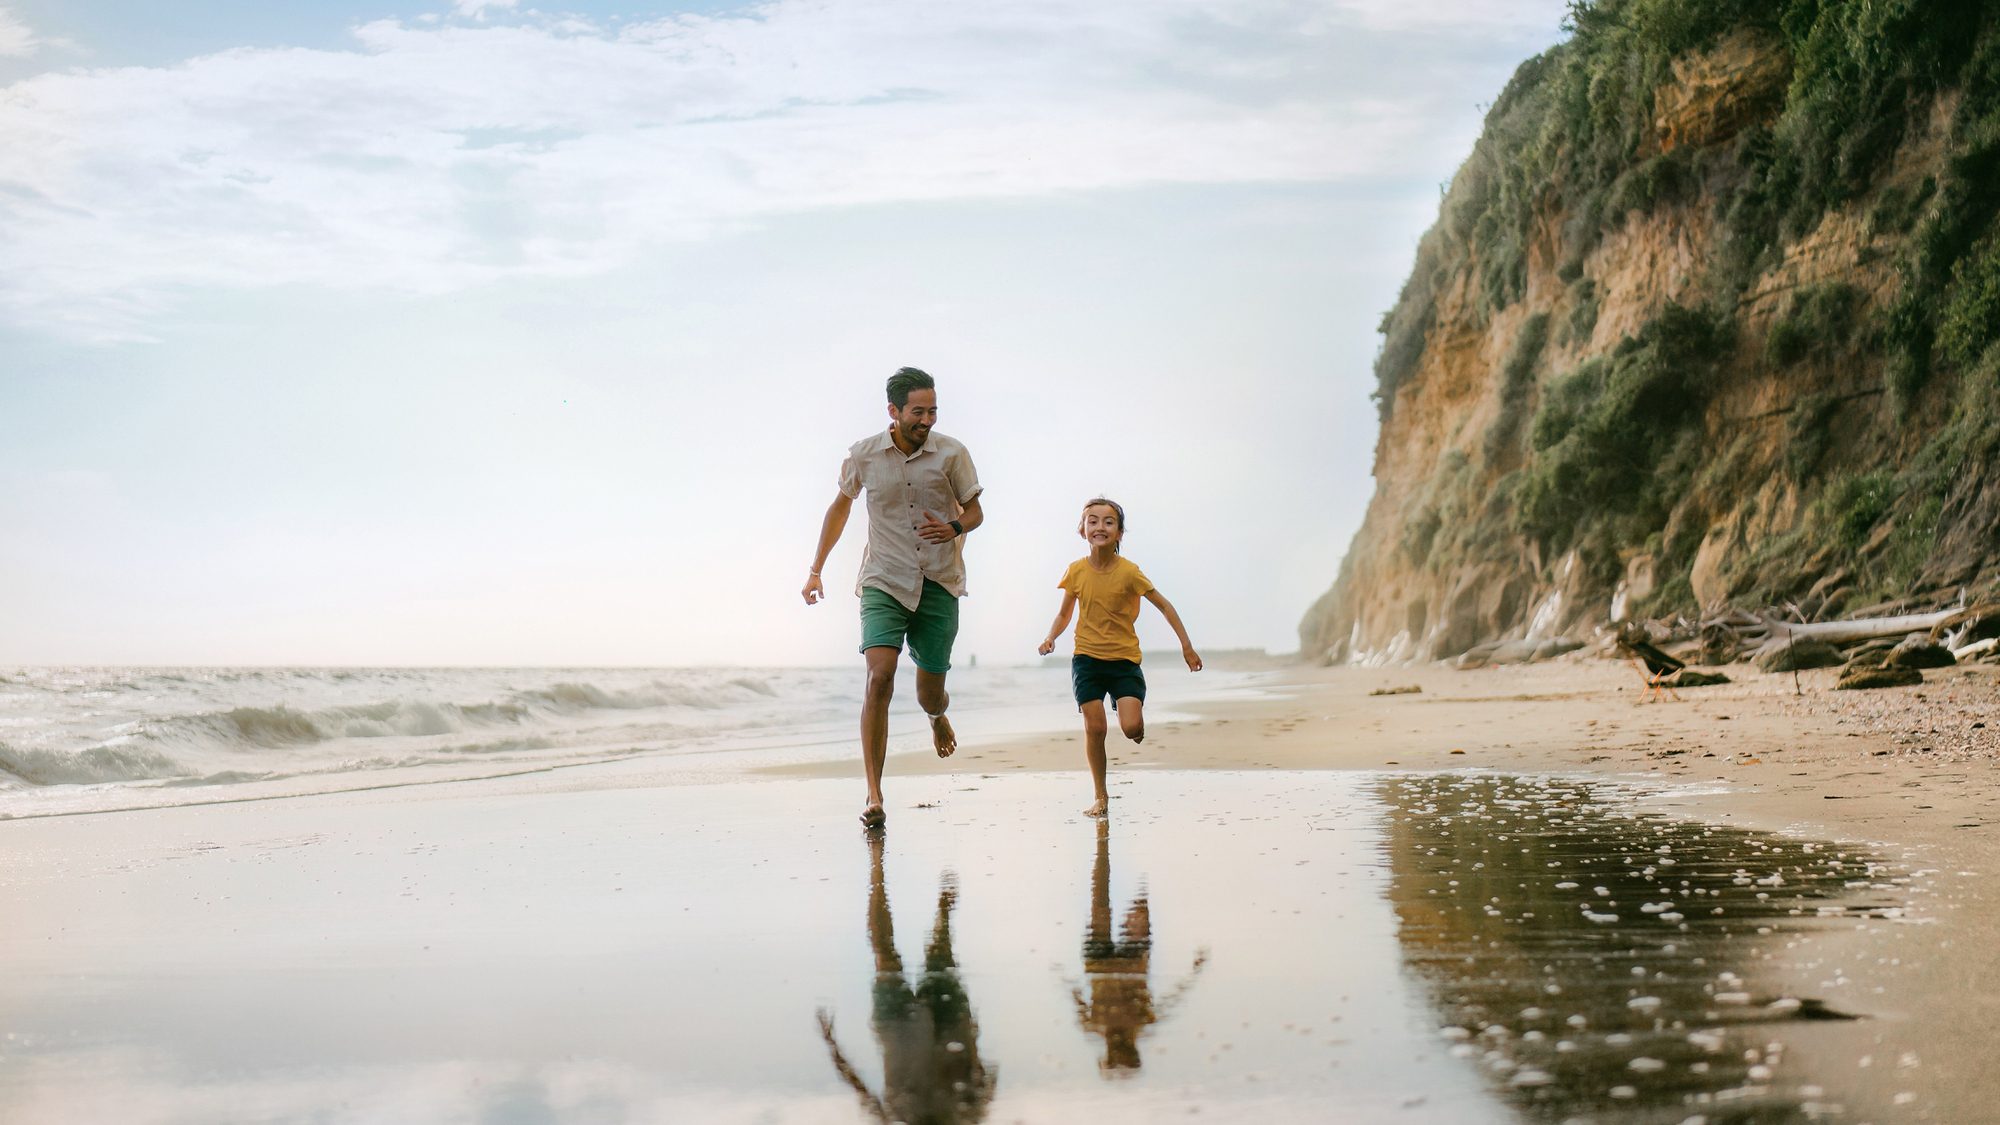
(1514, 894)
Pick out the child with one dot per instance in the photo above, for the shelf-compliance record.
(1107, 647)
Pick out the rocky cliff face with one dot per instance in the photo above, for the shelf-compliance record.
(1708, 317)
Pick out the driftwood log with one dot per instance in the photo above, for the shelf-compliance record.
(1754, 635)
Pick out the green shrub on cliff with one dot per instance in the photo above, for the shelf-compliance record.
(1852, 505)
(1583, 315)
(1611, 441)
(1810, 435)
(1818, 319)
(1972, 316)
(1517, 381)
(1858, 68)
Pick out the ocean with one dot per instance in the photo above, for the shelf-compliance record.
(90, 739)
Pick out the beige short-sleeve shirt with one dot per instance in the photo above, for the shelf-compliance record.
(940, 479)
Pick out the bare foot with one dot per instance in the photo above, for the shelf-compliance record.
(873, 816)
(1098, 809)
(942, 736)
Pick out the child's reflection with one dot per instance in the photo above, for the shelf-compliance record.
(1121, 1005)
(931, 1071)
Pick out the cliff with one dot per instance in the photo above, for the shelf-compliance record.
(1708, 317)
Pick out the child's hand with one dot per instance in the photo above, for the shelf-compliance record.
(1192, 657)
(1048, 646)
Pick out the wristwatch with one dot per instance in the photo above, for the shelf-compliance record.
(957, 528)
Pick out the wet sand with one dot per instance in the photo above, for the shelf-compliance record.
(1912, 773)
(1293, 909)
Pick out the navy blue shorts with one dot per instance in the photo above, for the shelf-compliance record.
(1093, 679)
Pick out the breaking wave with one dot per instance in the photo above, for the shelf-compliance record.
(220, 726)
(93, 766)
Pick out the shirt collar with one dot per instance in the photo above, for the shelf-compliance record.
(888, 443)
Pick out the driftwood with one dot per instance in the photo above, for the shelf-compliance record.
(1976, 648)
(1971, 624)
(1756, 635)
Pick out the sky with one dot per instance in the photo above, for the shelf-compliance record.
(382, 332)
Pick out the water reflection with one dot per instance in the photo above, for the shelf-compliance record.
(1595, 961)
(1118, 972)
(931, 1069)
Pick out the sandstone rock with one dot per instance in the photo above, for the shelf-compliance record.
(1554, 647)
(1801, 655)
(1475, 657)
(1869, 656)
(1638, 584)
(1713, 94)
(1512, 652)
(1856, 679)
(1705, 578)
(1919, 651)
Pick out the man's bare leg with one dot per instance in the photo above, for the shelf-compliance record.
(1132, 718)
(880, 686)
(932, 697)
(1094, 728)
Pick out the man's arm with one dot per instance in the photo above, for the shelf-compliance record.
(1166, 609)
(935, 530)
(829, 534)
(1062, 622)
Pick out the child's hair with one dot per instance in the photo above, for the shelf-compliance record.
(1106, 502)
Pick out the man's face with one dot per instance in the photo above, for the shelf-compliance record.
(915, 419)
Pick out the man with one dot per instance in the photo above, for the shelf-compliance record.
(923, 498)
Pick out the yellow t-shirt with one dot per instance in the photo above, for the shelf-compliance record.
(1107, 606)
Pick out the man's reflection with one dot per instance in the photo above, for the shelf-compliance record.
(931, 1071)
(1121, 1005)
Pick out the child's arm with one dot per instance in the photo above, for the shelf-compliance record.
(1166, 609)
(1062, 622)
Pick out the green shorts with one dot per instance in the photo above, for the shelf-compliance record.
(930, 629)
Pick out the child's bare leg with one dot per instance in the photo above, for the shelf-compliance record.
(1132, 718)
(932, 697)
(1094, 728)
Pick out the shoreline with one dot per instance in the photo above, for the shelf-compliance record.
(1764, 755)
(494, 929)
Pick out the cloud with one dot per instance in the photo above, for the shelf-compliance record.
(476, 9)
(1524, 18)
(17, 40)
(436, 157)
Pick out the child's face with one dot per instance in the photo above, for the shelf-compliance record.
(1100, 526)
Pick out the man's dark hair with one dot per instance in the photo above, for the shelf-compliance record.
(903, 382)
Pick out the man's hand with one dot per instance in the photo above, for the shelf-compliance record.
(1192, 657)
(935, 530)
(1048, 646)
(814, 590)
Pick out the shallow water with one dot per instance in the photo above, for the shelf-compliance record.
(1598, 964)
(99, 739)
(1267, 946)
